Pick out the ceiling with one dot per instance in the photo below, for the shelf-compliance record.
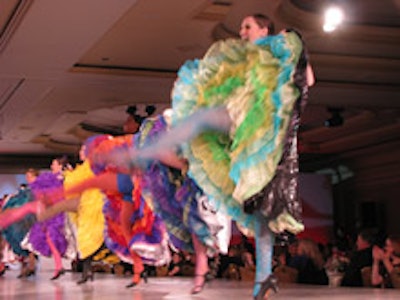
(69, 69)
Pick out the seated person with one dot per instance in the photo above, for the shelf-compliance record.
(175, 266)
(386, 264)
(309, 263)
(361, 258)
(230, 263)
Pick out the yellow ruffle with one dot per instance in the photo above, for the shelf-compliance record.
(89, 219)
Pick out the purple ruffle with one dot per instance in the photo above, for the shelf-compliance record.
(54, 227)
(45, 184)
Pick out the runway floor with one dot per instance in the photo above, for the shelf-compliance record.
(108, 286)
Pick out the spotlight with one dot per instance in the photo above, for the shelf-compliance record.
(336, 119)
(333, 18)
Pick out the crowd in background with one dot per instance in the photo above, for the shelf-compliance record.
(371, 259)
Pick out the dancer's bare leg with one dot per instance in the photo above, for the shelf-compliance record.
(56, 256)
(13, 215)
(126, 212)
(205, 119)
(201, 269)
(31, 264)
(164, 148)
(125, 218)
(2, 265)
(104, 181)
(69, 205)
(138, 269)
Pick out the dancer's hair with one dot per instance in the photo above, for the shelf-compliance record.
(64, 163)
(131, 110)
(264, 21)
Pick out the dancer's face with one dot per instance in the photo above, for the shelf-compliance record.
(82, 151)
(30, 177)
(130, 125)
(55, 167)
(250, 31)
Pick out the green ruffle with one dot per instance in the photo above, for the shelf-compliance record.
(255, 84)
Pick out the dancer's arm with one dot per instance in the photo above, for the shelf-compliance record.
(310, 75)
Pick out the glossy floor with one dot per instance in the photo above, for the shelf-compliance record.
(107, 286)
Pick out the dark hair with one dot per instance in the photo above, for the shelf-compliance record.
(64, 162)
(131, 110)
(264, 21)
(368, 235)
(300, 75)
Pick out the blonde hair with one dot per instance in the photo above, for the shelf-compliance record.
(310, 249)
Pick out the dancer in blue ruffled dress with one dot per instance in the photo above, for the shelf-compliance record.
(236, 114)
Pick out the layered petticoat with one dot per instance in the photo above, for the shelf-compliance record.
(148, 235)
(255, 84)
(88, 220)
(56, 228)
(175, 197)
(149, 238)
(16, 232)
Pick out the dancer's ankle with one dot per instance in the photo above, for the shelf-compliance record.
(256, 288)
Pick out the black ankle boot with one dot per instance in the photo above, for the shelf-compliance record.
(87, 273)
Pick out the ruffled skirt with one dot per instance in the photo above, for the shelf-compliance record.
(176, 198)
(16, 232)
(254, 83)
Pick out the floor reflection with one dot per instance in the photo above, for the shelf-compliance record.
(107, 286)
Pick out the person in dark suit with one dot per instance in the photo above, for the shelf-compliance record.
(361, 258)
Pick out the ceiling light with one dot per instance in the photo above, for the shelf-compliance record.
(333, 18)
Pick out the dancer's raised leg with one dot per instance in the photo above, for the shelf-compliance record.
(13, 215)
(69, 205)
(264, 238)
(205, 119)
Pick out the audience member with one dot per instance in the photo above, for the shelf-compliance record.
(361, 258)
(309, 263)
(386, 264)
(230, 264)
(175, 266)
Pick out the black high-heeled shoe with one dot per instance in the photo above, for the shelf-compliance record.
(144, 275)
(30, 273)
(58, 274)
(85, 277)
(207, 277)
(271, 283)
(26, 273)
